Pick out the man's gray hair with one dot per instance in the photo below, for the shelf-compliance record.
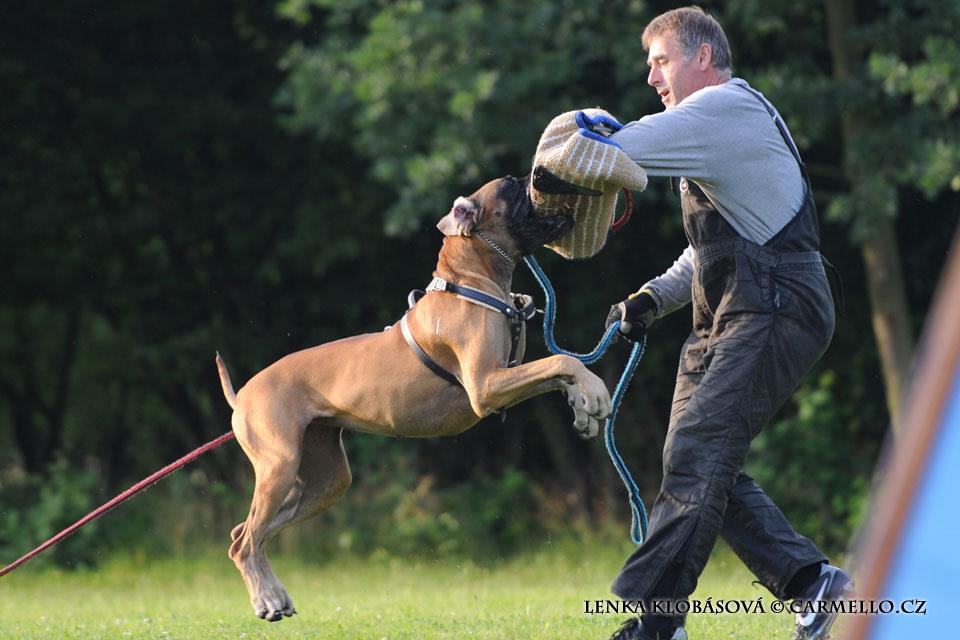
(692, 26)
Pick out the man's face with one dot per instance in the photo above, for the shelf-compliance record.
(672, 74)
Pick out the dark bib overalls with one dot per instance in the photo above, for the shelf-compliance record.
(762, 316)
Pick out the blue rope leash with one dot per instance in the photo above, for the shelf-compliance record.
(638, 526)
(550, 316)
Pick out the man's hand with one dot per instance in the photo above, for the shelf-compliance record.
(602, 125)
(634, 315)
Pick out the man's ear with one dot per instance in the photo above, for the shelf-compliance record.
(704, 56)
(462, 219)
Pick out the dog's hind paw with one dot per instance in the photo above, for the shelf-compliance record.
(274, 605)
(276, 615)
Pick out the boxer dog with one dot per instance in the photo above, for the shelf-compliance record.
(288, 418)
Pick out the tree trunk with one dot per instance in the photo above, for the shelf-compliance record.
(880, 251)
(888, 309)
(38, 399)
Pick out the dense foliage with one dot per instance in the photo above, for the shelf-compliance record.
(179, 178)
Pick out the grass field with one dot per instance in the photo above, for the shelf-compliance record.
(537, 596)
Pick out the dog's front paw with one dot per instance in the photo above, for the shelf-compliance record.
(586, 425)
(590, 431)
(596, 398)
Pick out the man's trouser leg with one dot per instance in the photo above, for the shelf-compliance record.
(726, 392)
(761, 536)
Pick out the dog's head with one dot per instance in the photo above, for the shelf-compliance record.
(502, 209)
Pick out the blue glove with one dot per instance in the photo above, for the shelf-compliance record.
(599, 127)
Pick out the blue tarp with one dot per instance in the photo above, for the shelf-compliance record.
(926, 564)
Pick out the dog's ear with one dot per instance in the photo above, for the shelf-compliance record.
(462, 219)
(545, 181)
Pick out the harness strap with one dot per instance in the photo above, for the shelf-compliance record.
(414, 296)
(487, 301)
(515, 329)
(475, 296)
(422, 355)
(480, 298)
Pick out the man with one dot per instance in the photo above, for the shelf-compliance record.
(762, 316)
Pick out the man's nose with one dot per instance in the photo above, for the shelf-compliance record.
(654, 77)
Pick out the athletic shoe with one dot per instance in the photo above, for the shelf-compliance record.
(815, 620)
(633, 630)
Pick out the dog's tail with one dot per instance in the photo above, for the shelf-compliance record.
(228, 391)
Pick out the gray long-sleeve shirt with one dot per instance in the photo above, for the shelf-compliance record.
(723, 139)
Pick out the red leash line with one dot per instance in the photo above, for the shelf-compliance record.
(107, 506)
(627, 211)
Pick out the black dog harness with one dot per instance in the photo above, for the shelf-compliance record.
(517, 313)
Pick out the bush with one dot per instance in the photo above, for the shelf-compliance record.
(391, 512)
(398, 513)
(814, 464)
(35, 507)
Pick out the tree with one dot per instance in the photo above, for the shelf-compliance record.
(869, 91)
(152, 206)
(441, 96)
(891, 143)
(153, 210)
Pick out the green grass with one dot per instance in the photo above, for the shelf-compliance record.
(536, 596)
